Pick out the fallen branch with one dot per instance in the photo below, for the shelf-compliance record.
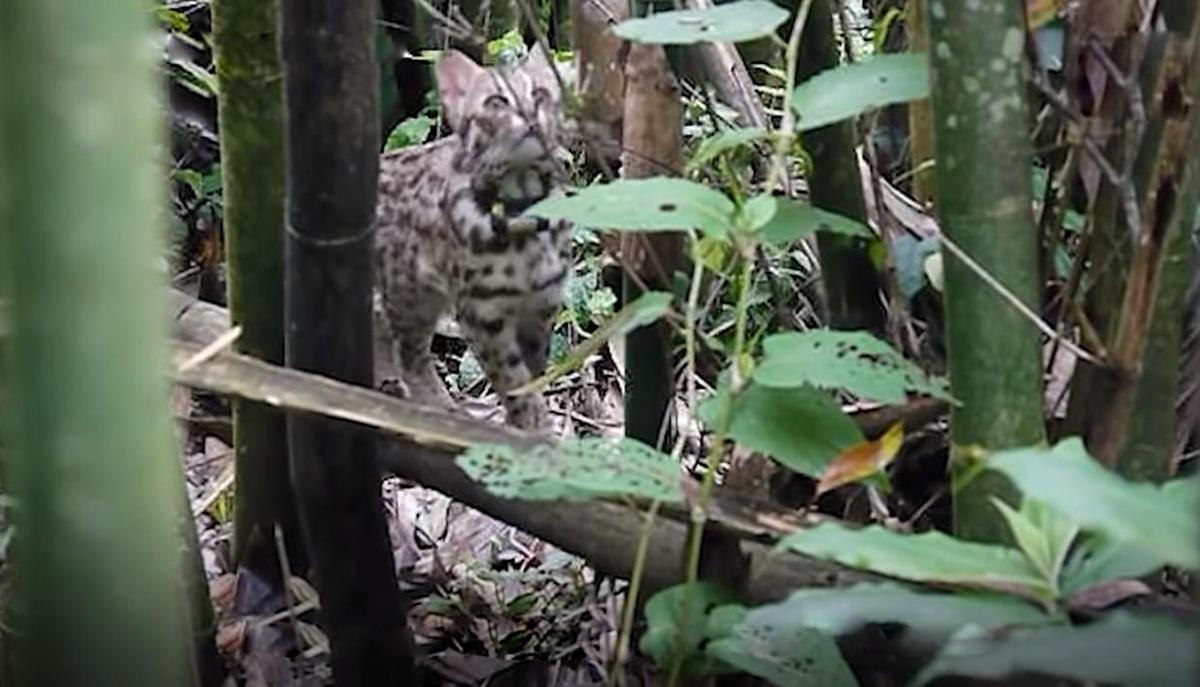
(601, 532)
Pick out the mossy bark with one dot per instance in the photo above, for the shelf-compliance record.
(246, 41)
(984, 200)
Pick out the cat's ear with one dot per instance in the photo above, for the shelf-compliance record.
(455, 74)
(537, 65)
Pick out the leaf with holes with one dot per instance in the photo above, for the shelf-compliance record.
(929, 617)
(731, 22)
(801, 427)
(577, 470)
(1161, 519)
(656, 204)
(790, 220)
(664, 612)
(784, 655)
(1120, 649)
(850, 90)
(721, 142)
(854, 361)
(927, 557)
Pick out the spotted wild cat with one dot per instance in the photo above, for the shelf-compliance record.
(443, 238)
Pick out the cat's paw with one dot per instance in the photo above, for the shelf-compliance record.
(394, 386)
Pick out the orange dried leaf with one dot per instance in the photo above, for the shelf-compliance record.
(862, 460)
(1040, 12)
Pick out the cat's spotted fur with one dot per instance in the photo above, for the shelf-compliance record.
(443, 240)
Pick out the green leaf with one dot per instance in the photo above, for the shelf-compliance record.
(800, 427)
(721, 142)
(930, 618)
(1162, 519)
(1044, 537)
(790, 656)
(793, 220)
(648, 308)
(854, 361)
(928, 557)
(172, 19)
(732, 22)
(1097, 559)
(757, 212)
(192, 179)
(576, 470)
(1121, 649)
(194, 77)
(664, 611)
(410, 132)
(656, 204)
(851, 90)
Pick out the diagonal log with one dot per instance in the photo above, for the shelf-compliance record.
(419, 443)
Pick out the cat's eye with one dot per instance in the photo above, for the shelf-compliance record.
(540, 95)
(495, 100)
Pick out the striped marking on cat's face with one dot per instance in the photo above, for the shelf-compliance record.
(508, 118)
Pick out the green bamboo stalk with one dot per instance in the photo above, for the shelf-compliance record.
(245, 39)
(984, 200)
(851, 282)
(97, 593)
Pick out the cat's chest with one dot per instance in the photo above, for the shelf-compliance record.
(501, 252)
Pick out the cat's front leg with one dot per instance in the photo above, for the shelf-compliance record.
(492, 327)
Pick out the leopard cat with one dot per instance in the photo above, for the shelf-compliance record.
(444, 242)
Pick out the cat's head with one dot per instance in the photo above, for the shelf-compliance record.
(506, 118)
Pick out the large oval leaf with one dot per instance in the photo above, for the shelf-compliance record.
(731, 22)
(850, 90)
(1160, 519)
(929, 557)
(930, 617)
(657, 204)
(854, 361)
(802, 428)
(1121, 649)
(783, 220)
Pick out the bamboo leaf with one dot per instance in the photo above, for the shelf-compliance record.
(854, 361)
(850, 90)
(648, 308)
(731, 22)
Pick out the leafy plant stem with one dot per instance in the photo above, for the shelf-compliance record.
(621, 653)
(700, 507)
(787, 123)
